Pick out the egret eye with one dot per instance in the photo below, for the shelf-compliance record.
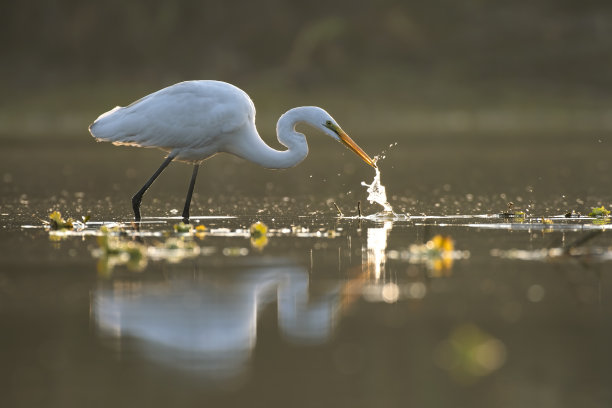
(328, 123)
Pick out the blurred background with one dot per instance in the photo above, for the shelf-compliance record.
(384, 67)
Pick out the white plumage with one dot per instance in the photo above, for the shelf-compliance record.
(194, 120)
(191, 118)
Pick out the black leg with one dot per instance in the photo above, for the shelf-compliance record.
(138, 196)
(190, 193)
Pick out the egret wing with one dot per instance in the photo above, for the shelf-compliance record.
(188, 115)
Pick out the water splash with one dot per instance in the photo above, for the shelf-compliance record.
(377, 193)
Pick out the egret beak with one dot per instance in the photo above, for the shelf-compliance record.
(348, 142)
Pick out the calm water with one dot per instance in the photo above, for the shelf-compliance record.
(322, 311)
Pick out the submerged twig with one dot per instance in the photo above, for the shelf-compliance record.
(359, 208)
(338, 209)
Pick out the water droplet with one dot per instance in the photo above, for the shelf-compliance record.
(377, 193)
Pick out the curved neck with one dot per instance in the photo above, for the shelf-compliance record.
(254, 149)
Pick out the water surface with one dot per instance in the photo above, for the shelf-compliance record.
(454, 306)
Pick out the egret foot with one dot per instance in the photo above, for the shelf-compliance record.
(136, 200)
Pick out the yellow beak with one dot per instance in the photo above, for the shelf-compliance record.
(353, 146)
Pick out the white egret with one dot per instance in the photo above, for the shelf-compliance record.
(195, 120)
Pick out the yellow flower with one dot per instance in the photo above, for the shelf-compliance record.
(259, 243)
(258, 229)
(259, 238)
(200, 231)
(440, 257)
(442, 243)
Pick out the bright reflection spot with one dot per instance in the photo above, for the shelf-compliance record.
(416, 290)
(390, 292)
(235, 251)
(535, 293)
(374, 254)
(371, 293)
(490, 354)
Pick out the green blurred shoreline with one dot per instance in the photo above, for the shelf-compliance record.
(66, 112)
(383, 68)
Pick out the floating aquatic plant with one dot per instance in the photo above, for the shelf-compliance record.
(235, 251)
(512, 213)
(331, 233)
(440, 250)
(438, 254)
(183, 228)
(599, 212)
(585, 254)
(441, 243)
(601, 221)
(58, 223)
(258, 229)
(113, 251)
(174, 250)
(259, 237)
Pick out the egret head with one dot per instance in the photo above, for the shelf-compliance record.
(319, 119)
(332, 129)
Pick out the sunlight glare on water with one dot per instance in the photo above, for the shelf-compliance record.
(374, 254)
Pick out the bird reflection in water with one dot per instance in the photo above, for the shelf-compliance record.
(208, 322)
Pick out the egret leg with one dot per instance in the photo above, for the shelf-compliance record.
(138, 196)
(190, 193)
